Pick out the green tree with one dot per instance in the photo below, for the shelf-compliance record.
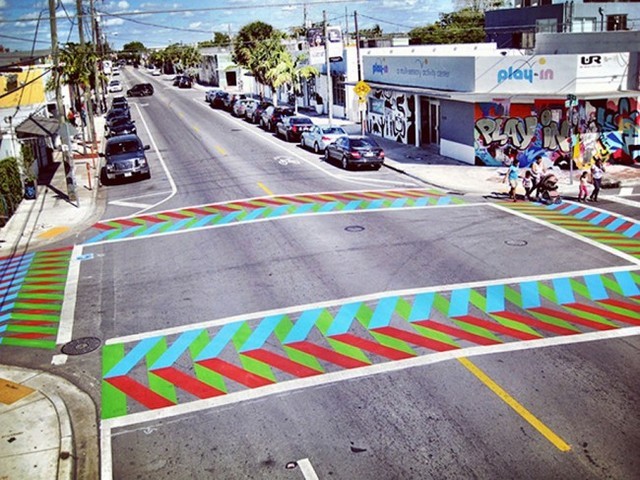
(248, 39)
(77, 68)
(135, 47)
(463, 26)
(291, 72)
(375, 32)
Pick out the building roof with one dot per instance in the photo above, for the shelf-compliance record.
(35, 126)
(9, 59)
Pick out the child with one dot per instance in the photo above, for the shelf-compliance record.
(512, 177)
(527, 183)
(583, 189)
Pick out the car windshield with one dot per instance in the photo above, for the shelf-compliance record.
(116, 148)
(334, 131)
(301, 121)
(116, 122)
(362, 142)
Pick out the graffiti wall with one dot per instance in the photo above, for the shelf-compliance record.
(604, 128)
(392, 115)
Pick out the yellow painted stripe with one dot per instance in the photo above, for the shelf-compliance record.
(52, 232)
(513, 403)
(265, 188)
(221, 150)
(196, 129)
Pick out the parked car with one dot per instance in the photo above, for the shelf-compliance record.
(184, 82)
(156, 72)
(257, 113)
(210, 94)
(124, 158)
(241, 106)
(318, 137)
(219, 98)
(120, 102)
(114, 86)
(272, 115)
(117, 112)
(140, 90)
(120, 126)
(355, 150)
(291, 128)
(231, 99)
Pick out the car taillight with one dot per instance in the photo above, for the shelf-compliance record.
(326, 139)
(355, 154)
(381, 154)
(294, 129)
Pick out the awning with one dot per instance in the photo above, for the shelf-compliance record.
(38, 127)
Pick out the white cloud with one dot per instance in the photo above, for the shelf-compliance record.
(110, 22)
(123, 5)
(195, 25)
(3, 3)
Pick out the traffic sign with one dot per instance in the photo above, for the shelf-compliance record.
(362, 89)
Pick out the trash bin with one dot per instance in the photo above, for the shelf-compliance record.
(30, 190)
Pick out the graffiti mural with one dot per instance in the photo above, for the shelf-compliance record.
(607, 129)
(392, 115)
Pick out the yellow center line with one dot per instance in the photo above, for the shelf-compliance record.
(221, 150)
(513, 403)
(196, 128)
(265, 188)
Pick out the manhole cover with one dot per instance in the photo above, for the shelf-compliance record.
(291, 465)
(80, 346)
(354, 228)
(516, 243)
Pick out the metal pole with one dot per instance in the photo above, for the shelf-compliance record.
(361, 113)
(66, 159)
(328, 64)
(87, 88)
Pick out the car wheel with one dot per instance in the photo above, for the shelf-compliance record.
(326, 155)
(103, 176)
(345, 163)
(316, 148)
(147, 176)
(286, 137)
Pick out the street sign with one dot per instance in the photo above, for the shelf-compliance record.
(362, 89)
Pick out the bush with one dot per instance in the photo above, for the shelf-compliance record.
(11, 189)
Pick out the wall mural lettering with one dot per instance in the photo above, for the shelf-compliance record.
(392, 115)
(602, 128)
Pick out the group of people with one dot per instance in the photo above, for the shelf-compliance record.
(534, 175)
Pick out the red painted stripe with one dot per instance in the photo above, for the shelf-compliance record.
(532, 322)
(269, 201)
(187, 383)
(55, 250)
(605, 313)
(457, 332)
(623, 227)
(373, 347)
(634, 307)
(223, 208)
(248, 205)
(328, 355)
(295, 199)
(591, 216)
(37, 300)
(34, 311)
(235, 373)
(28, 335)
(627, 245)
(139, 392)
(282, 363)
(496, 327)
(179, 216)
(35, 323)
(151, 219)
(608, 220)
(128, 223)
(42, 283)
(415, 339)
(572, 318)
(102, 226)
(198, 211)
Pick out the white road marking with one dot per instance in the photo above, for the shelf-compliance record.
(593, 243)
(622, 200)
(591, 206)
(154, 194)
(341, 376)
(65, 327)
(280, 145)
(362, 298)
(307, 469)
(625, 191)
(106, 456)
(121, 203)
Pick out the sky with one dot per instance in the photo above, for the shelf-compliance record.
(158, 23)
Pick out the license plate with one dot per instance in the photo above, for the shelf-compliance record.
(369, 155)
(127, 174)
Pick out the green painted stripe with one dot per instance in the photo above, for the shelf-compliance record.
(52, 307)
(324, 321)
(303, 358)
(364, 315)
(348, 350)
(547, 292)
(512, 296)
(283, 328)
(403, 308)
(620, 310)
(257, 367)
(34, 317)
(166, 226)
(41, 296)
(435, 335)
(204, 374)
(554, 321)
(159, 385)
(28, 287)
(482, 332)
(580, 288)
(113, 401)
(522, 327)
(441, 304)
(611, 284)
(241, 336)
(590, 316)
(57, 271)
(29, 342)
(56, 279)
(393, 343)
(32, 329)
(479, 300)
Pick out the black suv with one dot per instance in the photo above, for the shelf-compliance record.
(140, 90)
(125, 158)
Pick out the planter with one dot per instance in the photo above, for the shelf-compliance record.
(319, 109)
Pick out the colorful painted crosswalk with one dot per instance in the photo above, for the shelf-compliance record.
(200, 363)
(603, 227)
(31, 295)
(219, 214)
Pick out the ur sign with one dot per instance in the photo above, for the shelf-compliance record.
(334, 43)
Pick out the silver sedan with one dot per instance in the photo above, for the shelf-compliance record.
(320, 136)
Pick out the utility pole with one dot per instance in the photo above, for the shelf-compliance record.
(66, 159)
(87, 88)
(355, 21)
(328, 64)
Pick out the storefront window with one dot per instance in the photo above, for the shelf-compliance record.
(338, 90)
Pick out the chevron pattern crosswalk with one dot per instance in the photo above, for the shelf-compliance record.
(31, 295)
(199, 363)
(273, 207)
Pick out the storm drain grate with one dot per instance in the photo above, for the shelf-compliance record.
(516, 243)
(354, 228)
(80, 346)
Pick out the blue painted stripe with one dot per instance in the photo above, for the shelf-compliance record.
(229, 218)
(495, 298)
(280, 211)
(583, 213)
(304, 208)
(137, 353)
(596, 287)
(205, 220)
(13, 281)
(179, 225)
(10, 296)
(10, 291)
(633, 231)
(328, 207)
(568, 208)
(24, 258)
(4, 318)
(18, 269)
(375, 204)
(627, 284)
(444, 201)
(7, 307)
(564, 292)
(153, 229)
(459, 302)
(100, 236)
(599, 218)
(252, 215)
(530, 294)
(217, 343)
(422, 304)
(615, 224)
(384, 311)
(352, 205)
(261, 333)
(342, 321)
(127, 232)
(303, 326)
(422, 202)
(399, 202)
(177, 348)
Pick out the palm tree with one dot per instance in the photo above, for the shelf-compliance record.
(77, 67)
(290, 71)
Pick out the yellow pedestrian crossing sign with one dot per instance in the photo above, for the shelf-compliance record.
(362, 89)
